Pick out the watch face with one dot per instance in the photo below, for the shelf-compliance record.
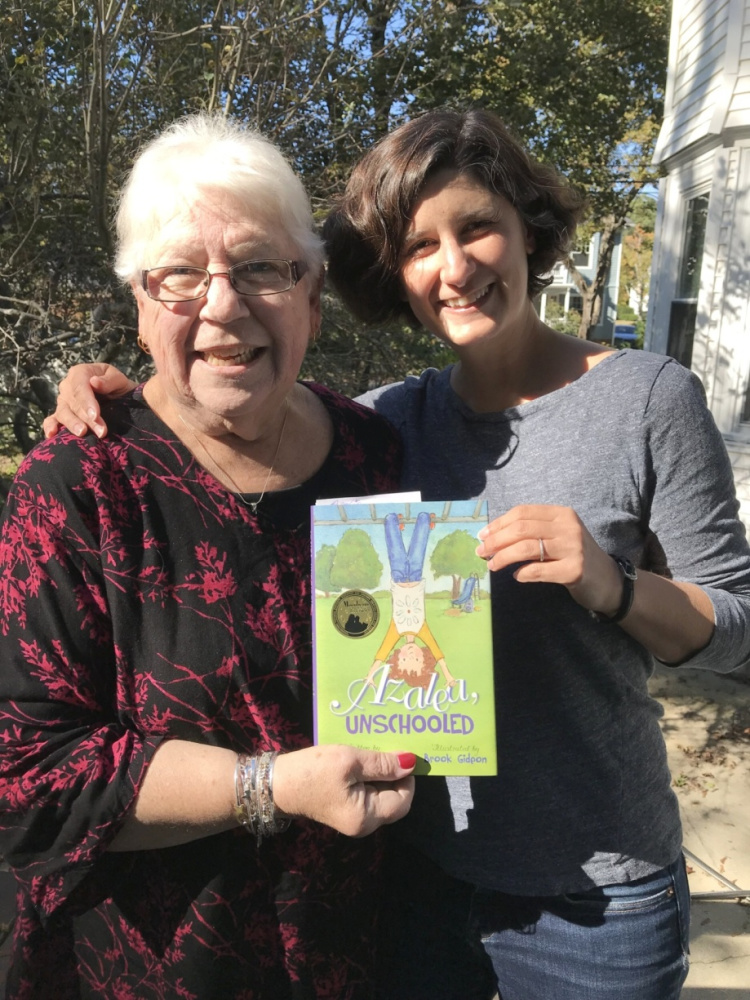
(627, 567)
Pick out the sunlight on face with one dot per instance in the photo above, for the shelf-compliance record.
(465, 261)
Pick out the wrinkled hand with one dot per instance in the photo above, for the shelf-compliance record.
(571, 556)
(77, 406)
(354, 791)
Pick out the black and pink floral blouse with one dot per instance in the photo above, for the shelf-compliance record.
(142, 601)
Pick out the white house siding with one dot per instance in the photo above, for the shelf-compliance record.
(697, 76)
(739, 102)
(723, 335)
(704, 148)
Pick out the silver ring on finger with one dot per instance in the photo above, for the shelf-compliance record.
(542, 553)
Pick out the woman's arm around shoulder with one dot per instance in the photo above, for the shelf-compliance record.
(77, 406)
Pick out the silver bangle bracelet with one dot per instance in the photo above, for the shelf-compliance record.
(253, 788)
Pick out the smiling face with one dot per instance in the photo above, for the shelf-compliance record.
(227, 359)
(465, 270)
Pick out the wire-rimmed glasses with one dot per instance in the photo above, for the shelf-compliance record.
(183, 283)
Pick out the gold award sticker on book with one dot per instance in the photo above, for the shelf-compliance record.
(355, 614)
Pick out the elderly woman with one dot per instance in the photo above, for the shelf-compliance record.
(155, 626)
(615, 542)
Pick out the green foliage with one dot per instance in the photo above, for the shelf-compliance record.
(556, 317)
(356, 563)
(625, 313)
(643, 213)
(353, 357)
(455, 555)
(85, 84)
(323, 564)
(582, 84)
(637, 253)
(10, 457)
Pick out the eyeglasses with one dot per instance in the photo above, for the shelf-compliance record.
(177, 283)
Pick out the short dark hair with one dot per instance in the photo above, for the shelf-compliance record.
(364, 232)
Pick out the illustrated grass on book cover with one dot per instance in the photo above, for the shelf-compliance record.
(402, 632)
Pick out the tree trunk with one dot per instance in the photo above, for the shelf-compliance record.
(593, 294)
(379, 13)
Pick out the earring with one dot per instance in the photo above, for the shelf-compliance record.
(142, 344)
(314, 335)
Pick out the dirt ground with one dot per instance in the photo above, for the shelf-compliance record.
(707, 728)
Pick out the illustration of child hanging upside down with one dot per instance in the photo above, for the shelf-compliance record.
(412, 663)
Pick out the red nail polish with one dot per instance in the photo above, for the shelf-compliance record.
(407, 760)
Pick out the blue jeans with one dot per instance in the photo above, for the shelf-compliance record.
(621, 942)
(407, 566)
(442, 940)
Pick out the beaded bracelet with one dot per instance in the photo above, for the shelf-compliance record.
(253, 789)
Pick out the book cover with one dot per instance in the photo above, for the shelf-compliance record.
(402, 632)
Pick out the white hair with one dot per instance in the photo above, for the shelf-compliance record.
(199, 156)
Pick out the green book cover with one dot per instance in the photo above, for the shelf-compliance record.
(402, 632)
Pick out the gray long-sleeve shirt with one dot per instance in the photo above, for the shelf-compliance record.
(583, 792)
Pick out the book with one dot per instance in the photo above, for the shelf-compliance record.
(402, 631)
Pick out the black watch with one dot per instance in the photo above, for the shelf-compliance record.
(629, 576)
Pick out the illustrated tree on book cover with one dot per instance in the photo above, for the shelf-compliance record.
(455, 556)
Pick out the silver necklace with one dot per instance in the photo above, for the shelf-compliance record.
(252, 504)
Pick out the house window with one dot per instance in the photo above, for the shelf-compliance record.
(745, 418)
(682, 318)
(581, 255)
(684, 311)
(746, 408)
(695, 238)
